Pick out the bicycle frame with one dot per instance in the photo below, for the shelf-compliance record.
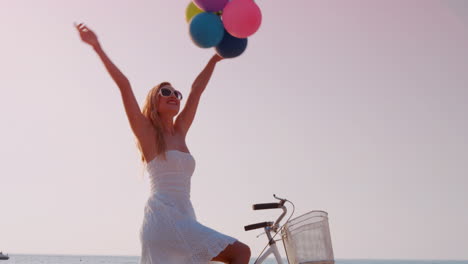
(272, 249)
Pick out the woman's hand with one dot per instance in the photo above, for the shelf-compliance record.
(216, 58)
(87, 35)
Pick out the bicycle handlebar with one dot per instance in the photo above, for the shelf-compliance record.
(274, 225)
(263, 206)
(257, 225)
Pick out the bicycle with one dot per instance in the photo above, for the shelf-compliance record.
(306, 238)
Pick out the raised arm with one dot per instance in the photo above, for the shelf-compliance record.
(139, 124)
(185, 118)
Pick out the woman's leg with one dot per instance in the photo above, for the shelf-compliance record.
(237, 253)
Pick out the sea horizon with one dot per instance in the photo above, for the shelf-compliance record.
(26, 258)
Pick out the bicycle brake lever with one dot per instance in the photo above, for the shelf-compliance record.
(263, 233)
(278, 198)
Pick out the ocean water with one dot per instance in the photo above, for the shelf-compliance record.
(69, 259)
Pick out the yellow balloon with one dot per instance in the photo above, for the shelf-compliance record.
(191, 11)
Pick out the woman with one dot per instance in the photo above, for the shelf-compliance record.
(170, 233)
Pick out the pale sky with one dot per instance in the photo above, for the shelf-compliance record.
(356, 107)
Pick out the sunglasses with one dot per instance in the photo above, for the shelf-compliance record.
(166, 92)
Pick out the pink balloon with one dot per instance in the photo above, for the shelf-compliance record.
(242, 18)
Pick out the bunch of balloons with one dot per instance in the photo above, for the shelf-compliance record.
(223, 24)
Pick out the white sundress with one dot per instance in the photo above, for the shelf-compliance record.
(170, 233)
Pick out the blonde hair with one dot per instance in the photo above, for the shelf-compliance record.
(150, 111)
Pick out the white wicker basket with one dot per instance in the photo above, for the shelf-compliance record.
(307, 239)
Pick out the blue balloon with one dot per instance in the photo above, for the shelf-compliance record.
(231, 46)
(206, 30)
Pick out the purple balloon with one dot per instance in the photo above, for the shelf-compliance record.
(211, 5)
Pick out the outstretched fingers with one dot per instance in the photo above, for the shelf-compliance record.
(78, 26)
(81, 27)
